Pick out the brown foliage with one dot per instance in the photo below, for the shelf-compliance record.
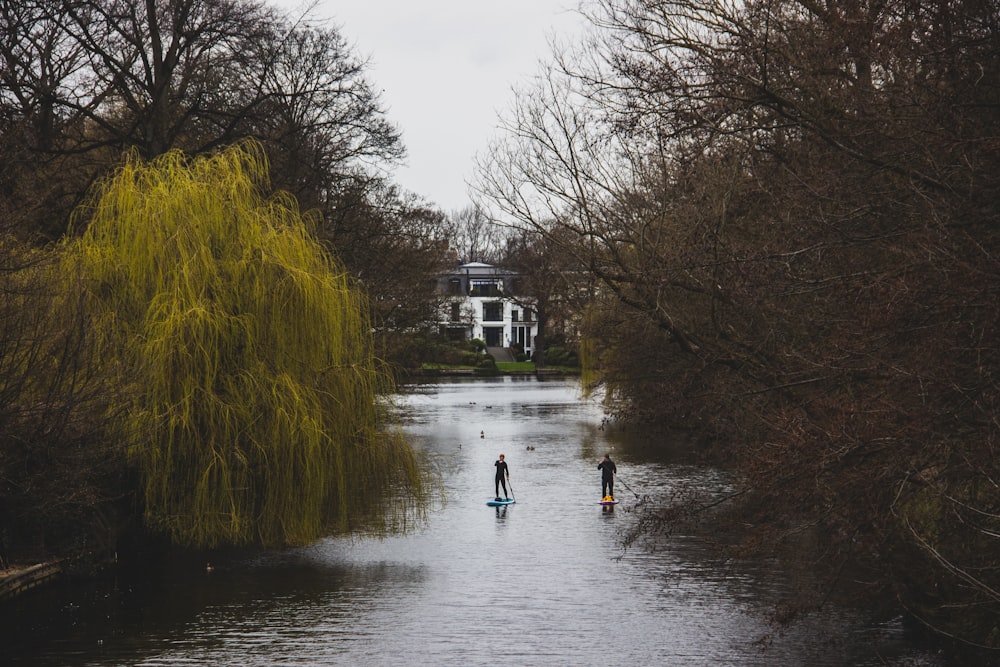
(60, 478)
(791, 207)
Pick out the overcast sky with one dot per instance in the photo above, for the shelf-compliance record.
(446, 68)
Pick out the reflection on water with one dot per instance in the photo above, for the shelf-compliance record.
(541, 582)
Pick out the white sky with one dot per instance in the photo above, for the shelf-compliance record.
(446, 69)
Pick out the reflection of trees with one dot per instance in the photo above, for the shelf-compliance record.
(789, 215)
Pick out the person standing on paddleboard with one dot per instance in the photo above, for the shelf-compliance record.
(503, 474)
(608, 471)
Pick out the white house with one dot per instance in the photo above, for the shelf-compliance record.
(482, 301)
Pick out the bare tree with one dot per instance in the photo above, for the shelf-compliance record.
(788, 214)
(84, 82)
(322, 120)
(474, 237)
(164, 74)
(61, 478)
(395, 245)
(40, 64)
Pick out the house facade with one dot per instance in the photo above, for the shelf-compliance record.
(482, 301)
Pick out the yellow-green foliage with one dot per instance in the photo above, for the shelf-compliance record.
(248, 376)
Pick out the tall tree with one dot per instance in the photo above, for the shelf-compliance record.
(395, 246)
(99, 78)
(474, 237)
(86, 82)
(244, 353)
(551, 285)
(40, 66)
(165, 74)
(321, 119)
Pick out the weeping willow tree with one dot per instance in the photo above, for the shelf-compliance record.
(244, 354)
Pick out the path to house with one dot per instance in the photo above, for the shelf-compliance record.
(501, 354)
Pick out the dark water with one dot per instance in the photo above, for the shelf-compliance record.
(542, 582)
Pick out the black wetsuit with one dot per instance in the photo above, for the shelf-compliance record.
(501, 477)
(608, 470)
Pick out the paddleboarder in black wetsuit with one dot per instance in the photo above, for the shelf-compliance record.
(608, 471)
(502, 475)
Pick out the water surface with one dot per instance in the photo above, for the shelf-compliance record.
(542, 582)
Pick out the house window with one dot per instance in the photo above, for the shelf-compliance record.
(484, 287)
(522, 337)
(455, 286)
(493, 312)
(455, 312)
(514, 315)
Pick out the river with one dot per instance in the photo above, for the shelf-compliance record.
(544, 581)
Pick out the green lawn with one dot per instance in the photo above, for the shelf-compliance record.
(515, 366)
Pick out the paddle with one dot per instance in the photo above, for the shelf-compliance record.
(511, 487)
(619, 479)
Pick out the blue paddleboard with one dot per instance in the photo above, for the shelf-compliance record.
(500, 501)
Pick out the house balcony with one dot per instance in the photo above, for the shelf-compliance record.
(487, 291)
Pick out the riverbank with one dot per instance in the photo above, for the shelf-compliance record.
(463, 371)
